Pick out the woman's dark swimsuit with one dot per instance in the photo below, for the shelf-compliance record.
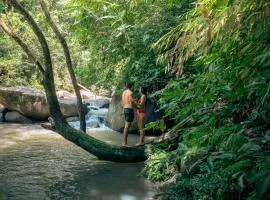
(129, 114)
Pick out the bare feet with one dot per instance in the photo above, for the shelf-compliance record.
(125, 145)
(139, 144)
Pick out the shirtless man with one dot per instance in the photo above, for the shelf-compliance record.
(127, 103)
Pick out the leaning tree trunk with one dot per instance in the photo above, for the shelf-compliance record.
(98, 148)
(69, 65)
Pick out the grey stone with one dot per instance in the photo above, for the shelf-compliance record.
(32, 103)
(72, 119)
(62, 94)
(2, 108)
(15, 117)
(93, 124)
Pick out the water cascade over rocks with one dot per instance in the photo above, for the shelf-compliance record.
(95, 119)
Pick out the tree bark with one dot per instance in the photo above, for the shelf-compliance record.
(69, 65)
(98, 148)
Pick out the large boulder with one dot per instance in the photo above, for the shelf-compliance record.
(115, 118)
(87, 94)
(62, 94)
(32, 103)
(1, 108)
(1, 117)
(15, 117)
(1, 113)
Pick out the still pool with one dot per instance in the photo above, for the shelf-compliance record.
(39, 164)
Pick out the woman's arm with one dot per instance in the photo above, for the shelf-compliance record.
(142, 102)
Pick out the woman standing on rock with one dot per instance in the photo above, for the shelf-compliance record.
(141, 113)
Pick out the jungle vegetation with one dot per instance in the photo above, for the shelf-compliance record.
(205, 62)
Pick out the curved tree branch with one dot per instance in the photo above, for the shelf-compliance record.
(69, 65)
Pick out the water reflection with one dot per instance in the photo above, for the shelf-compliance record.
(39, 164)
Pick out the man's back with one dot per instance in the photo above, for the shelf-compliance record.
(127, 99)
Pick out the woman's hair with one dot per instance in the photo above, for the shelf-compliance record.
(143, 90)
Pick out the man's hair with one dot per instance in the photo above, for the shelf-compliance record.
(129, 85)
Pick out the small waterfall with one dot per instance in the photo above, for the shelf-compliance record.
(95, 118)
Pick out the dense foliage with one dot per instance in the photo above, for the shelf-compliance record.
(207, 63)
(119, 35)
(220, 103)
(15, 68)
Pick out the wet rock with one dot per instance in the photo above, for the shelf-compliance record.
(15, 117)
(69, 107)
(101, 102)
(72, 119)
(62, 94)
(104, 103)
(93, 124)
(51, 121)
(2, 108)
(87, 94)
(101, 120)
(93, 107)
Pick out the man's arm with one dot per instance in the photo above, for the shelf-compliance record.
(132, 101)
(122, 99)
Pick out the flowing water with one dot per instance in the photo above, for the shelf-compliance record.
(39, 164)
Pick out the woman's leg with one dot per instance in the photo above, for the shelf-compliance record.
(141, 117)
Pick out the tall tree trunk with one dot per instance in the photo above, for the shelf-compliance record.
(48, 78)
(96, 147)
(69, 65)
